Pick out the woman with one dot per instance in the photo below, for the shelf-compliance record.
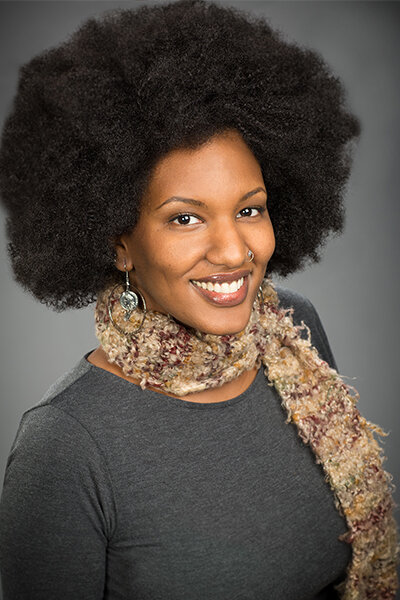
(162, 165)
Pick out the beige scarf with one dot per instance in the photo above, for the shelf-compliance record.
(168, 356)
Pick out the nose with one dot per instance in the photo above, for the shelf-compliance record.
(226, 245)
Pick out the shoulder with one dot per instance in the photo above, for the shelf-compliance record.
(303, 308)
(79, 411)
(57, 486)
(289, 298)
(76, 393)
(304, 311)
(53, 425)
(56, 449)
(75, 375)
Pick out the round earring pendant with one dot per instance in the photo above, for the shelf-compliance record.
(129, 301)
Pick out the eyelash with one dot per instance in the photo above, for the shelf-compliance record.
(261, 210)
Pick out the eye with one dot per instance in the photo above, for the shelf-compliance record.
(184, 219)
(252, 211)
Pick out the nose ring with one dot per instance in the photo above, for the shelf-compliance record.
(250, 254)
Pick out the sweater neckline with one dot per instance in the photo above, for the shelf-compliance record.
(153, 395)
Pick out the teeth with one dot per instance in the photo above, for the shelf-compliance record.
(233, 287)
(221, 288)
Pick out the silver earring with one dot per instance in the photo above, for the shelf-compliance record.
(250, 254)
(129, 301)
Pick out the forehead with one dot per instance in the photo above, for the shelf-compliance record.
(224, 162)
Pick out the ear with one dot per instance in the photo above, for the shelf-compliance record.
(123, 255)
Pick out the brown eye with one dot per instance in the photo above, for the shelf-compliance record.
(252, 211)
(184, 219)
(246, 212)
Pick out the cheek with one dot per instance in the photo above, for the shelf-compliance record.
(272, 242)
(180, 251)
(165, 258)
(264, 241)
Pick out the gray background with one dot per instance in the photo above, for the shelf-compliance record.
(355, 288)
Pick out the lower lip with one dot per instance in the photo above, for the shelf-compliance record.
(222, 299)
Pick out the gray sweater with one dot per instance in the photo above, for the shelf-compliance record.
(112, 492)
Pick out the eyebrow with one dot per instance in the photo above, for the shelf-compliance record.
(194, 202)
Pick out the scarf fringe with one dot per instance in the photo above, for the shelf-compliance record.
(324, 412)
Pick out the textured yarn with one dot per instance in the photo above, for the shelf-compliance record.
(168, 356)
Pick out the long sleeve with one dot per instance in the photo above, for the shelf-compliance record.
(55, 512)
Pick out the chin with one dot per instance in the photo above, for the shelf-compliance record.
(224, 321)
(221, 329)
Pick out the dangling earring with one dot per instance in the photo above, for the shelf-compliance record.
(260, 295)
(129, 301)
(250, 254)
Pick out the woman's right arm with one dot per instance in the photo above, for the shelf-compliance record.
(56, 511)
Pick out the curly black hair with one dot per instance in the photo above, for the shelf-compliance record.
(92, 117)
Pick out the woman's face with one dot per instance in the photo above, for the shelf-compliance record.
(203, 211)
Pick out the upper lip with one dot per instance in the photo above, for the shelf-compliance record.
(224, 277)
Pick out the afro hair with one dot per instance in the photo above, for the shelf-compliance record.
(92, 117)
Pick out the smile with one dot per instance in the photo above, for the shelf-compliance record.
(220, 288)
(223, 294)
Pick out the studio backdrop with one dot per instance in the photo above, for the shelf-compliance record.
(355, 286)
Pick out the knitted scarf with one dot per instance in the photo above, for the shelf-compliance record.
(168, 356)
